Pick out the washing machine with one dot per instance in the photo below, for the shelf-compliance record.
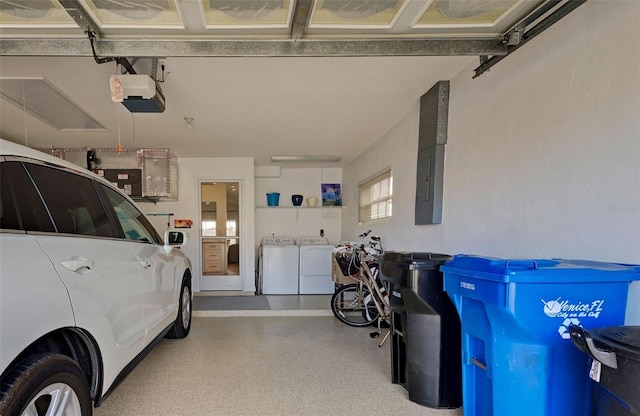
(278, 266)
(315, 266)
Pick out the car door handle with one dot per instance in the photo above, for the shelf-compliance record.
(77, 265)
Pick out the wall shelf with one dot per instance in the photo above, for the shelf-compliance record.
(302, 207)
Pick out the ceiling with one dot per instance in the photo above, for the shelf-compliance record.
(257, 77)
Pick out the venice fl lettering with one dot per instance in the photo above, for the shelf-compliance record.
(580, 310)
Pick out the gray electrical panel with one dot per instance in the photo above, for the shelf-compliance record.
(434, 118)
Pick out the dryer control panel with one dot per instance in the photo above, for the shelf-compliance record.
(277, 241)
(311, 241)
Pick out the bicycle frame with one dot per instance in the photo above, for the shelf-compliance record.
(353, 304)
(377, 293)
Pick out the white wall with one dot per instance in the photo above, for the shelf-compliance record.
(190, 172)
(297, 222)
(543, 153)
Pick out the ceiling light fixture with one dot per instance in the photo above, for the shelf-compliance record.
(189, 121)
(305, 158)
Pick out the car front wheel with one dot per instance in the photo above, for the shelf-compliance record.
(182, 325)
(45, 384)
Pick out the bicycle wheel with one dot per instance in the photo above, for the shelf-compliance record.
(353, 307)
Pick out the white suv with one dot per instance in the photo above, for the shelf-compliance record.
(87, 285)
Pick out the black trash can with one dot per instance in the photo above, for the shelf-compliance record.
(425, 329)
(615, 369)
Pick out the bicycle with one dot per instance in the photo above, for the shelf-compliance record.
(361, 303)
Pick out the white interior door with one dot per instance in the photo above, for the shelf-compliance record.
(220, 230)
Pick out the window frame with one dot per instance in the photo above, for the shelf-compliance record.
(9, 216)
(99, 186)
(366, 203)
(156, 238)
(103, 228)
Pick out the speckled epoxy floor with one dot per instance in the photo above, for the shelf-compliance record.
(213, 305)
(310, 365)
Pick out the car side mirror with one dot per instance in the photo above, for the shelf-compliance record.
(175, 238)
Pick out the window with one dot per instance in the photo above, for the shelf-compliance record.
(232, 229)
(136, 227)
(375, 197)
(208, 228)
(72, 201)
(33, 215)
(8, 214)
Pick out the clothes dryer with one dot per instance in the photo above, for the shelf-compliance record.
(315, 266)
(278, 266)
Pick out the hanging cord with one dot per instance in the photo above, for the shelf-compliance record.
(133, 121)
(119, 148)
(24, 115)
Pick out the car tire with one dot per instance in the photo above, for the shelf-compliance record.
(182, 325)
(46, 384)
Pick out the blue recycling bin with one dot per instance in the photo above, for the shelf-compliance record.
(517, 354)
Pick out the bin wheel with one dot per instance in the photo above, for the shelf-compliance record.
(348, 305)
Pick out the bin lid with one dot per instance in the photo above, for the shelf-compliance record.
(539, 270)
(414, 260)
(623, 340)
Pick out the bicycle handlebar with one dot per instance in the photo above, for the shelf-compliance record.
(366, 233)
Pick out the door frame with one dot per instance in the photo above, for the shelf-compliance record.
(226, 282)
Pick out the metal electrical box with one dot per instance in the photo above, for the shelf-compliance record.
(432, 138)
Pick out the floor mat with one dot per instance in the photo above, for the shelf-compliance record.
(230, 303)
